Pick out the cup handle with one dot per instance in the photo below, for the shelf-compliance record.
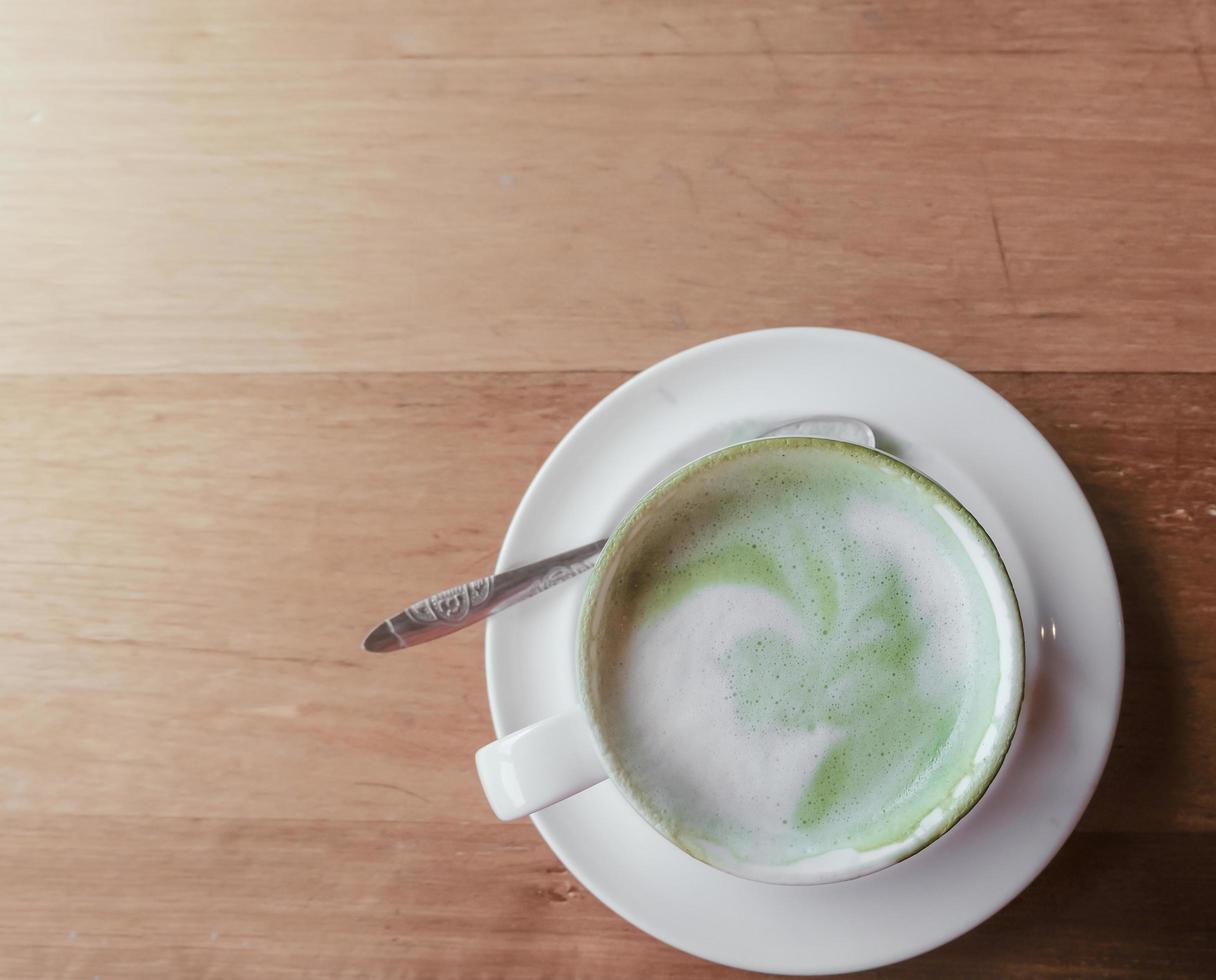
(537, 766)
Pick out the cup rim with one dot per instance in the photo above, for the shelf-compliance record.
(804, 872)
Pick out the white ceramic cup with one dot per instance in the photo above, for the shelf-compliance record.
(556, 758)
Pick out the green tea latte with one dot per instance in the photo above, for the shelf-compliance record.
(802, 654)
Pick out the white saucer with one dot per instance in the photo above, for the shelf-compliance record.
(953, 428)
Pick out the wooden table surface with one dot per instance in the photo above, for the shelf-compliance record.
(296, 296)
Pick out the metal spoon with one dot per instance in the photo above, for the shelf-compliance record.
(462, 605)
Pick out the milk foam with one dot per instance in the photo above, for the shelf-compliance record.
(804, 657)
(754, 770)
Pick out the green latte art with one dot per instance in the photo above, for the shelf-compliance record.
(802, 652)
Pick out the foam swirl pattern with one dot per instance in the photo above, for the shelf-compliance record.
(805, 660)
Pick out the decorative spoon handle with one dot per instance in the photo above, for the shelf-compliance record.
(462, 605)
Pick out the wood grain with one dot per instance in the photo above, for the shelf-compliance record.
(274, 906)
(173, 771)
(298, 295)
(1013, 213)
(242, 30)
